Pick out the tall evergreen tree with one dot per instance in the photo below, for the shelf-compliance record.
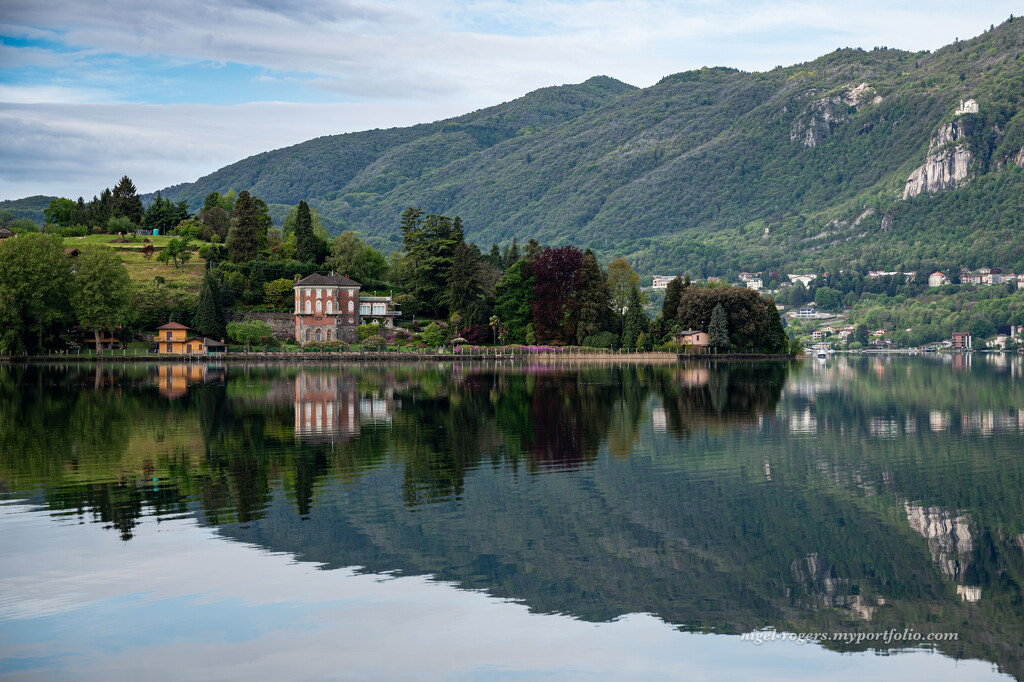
(511, 254)
(637, 322)
(718, 329)
(673, 291)
(305, 238)
(464, 295)
(244, 238)
(209, 319)
(594, 299)
(513, 294)
(125, 201)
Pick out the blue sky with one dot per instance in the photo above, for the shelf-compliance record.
(168, 92)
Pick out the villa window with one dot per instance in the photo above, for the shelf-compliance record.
(351, 306)
(330, 306)
(319, 306)
(309, 307)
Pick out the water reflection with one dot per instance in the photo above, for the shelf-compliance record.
(855, 494)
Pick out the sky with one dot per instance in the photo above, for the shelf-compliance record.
(168, 92)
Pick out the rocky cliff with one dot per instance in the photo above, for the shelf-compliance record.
(948, 163)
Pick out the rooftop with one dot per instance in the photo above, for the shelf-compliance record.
(318, 280)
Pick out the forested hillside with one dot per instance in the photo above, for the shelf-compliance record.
(709, 171)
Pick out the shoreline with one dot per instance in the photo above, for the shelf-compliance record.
(393, 357)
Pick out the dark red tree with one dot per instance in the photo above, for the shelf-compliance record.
(557, 275)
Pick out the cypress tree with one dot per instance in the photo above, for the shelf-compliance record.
(244, 240)
(305, 239)
(209, 319)
(718, 329)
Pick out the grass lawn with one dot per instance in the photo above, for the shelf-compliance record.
(139, 268)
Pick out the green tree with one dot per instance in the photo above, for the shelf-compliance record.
(636, 320)
(513, 294)
(621, 280)
(594, 299)
(860, 334)
(307, 245)
(103, 291)
(429, 244)
(351, 257)
(244, 240)
(464, 294)
(209, 319)
(62, 212)
(670, 306)
(35, 291)
(125, 201)
(718, 329)
(432, 335)
(250, 332)
(177, 250)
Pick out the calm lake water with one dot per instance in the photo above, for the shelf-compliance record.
(467, 521)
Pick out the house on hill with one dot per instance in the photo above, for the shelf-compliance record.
(5, 233)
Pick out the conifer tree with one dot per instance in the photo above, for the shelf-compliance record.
(594, 298)
(209, 319)
(244, 239)
(636, 322)
(672, 293)
(718, 329)
(305, 238)
(125, 201)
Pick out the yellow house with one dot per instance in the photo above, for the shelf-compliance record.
(174, 338)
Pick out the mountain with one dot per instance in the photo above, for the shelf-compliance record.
(32, 207)
(856, 158)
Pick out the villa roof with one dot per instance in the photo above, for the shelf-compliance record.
(316, 279)
(173, 325)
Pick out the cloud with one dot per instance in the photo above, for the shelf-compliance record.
(77, 150)
(400, 59)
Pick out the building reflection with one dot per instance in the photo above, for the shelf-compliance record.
(332, 408)
(173, 379)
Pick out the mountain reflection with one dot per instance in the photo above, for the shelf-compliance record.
(858, 495)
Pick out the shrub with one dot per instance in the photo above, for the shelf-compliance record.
(477, 334)
(602, 340)
(365, 331)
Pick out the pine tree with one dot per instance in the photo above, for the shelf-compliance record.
(244, 239)
(718, 329)
(125, 201)
(209, 319)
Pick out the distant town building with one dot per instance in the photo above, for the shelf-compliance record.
(661, 281)
(962, 340)
(756, 284)
(936, 279)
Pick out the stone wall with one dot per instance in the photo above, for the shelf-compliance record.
(283, 324)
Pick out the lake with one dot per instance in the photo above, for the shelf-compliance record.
(850, 518)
